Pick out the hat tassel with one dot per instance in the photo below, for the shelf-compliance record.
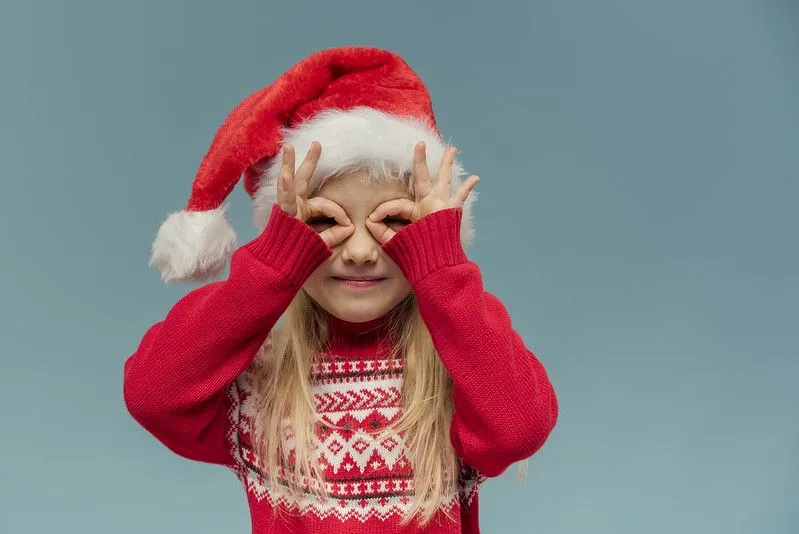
(193, 245)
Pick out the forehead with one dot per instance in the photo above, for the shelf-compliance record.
(358, 189)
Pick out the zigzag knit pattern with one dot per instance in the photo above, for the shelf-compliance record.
(366, 471)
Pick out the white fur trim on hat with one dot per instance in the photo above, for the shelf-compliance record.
(361, 138)
(193, 245)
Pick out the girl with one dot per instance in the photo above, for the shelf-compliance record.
(351, 370)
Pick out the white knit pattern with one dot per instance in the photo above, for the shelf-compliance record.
(367, 473)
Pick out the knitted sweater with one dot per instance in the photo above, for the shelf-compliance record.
(188, 383)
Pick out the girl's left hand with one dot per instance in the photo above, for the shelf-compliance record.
(429, 198)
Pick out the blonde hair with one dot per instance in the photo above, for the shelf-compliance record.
(284, 406)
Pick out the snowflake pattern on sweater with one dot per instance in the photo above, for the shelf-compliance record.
(366, 472)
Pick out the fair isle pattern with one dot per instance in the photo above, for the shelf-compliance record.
(367, 473)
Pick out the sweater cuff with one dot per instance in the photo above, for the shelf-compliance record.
(289, 246)
(428, 244)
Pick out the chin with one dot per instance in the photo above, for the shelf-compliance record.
(359, 314)
(357, 308)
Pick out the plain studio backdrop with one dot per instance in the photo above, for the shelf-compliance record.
(637, 216)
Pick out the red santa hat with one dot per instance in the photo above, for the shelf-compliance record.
(365, 106)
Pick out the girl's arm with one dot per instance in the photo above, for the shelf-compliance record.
(175, 384)
(505, 405)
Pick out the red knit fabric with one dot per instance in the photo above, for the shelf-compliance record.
(187, 383)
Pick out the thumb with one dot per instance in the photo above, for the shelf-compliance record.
(380, 231)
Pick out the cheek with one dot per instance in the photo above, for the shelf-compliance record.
(400, 288)
(315, 284)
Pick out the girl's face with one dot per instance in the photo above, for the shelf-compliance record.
(359, 255)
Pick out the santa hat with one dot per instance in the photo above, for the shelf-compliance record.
(365, 106)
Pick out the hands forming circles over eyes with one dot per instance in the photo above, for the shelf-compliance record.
(428, 197)
(292, 193)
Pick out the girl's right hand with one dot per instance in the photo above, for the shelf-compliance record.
(292, 194)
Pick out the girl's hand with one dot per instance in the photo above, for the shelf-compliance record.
(429, 198)
(292, 194)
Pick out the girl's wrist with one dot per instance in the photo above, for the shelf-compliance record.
(290, 246)
(428, 244)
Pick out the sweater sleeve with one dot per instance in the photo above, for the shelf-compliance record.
(175, 383)
(505, 404)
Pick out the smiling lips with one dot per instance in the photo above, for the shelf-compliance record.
(358, 283)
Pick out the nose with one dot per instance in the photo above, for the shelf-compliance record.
(360, 246)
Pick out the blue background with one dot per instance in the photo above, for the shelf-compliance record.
(637, 215)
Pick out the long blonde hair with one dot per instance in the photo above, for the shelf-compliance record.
(284, 406)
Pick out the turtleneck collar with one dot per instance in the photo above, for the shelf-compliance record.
(351, 338)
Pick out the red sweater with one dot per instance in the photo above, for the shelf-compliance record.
(188, 381)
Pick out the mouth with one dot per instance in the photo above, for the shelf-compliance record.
(358, 283)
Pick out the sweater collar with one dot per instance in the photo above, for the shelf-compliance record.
(346, 335)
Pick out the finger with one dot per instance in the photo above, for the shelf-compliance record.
(403, 207)
(325, 206)
(307, 168)
(445, 168)
(336, 234)
(286, 182)
(288, 160)
(421, 174)
(286, 166)
(380, 231)
(466, 188)
(289, 201)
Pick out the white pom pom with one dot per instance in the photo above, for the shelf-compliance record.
(193, 245)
